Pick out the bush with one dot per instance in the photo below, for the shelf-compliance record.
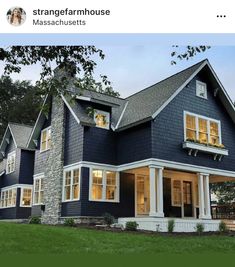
(171, 226)
(34, 220)
(131, 226)
(223, 227)
(200, 228)
(69, 222)
(108, 219)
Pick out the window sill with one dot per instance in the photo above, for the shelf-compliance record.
(107, 201)
(42, 151)
(194, 148)
(73, 200)
(10, 172)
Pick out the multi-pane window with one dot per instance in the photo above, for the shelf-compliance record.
(202, 130)
(102, 119)
(201, 89)
(71, 185)
(11, 161)
(104, 186)
(26, 197)
(45, 139)
(176, 193)
(38, 193)
(8, 198)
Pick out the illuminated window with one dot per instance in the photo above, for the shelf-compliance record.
(8, 198)
(71, 185)
(26, 197)
(11, 161)
(203, 130)
(45, 139)
(104, 186)
(201, 89)
(38, 193)
(176, 193)
(102, 119)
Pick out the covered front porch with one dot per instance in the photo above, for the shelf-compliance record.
(162, 193)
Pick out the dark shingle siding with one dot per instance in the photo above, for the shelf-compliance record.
(168, 128)
(26, 167)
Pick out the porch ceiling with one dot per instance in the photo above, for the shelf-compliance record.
(220, 179)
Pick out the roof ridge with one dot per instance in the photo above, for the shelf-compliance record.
(177, 73)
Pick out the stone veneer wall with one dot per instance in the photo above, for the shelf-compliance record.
(54, 170)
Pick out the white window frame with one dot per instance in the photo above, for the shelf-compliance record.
(21, 196)
(38, 177)
(71, 184)
(197, 92)
(9, 157)
(47, 148)
(117, 195)
(107, 114)
(5, 189)
(172, 193)
(197, 126)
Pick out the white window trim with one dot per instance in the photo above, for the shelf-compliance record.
(44, 130)
(197, 127)
(7, 189)
(117, 200)
(8, 158)
(106, 113)
(201, 83)
(21, 195)
(172, 192)
(37, 177)
(72, 168)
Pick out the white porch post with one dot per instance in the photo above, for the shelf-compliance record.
(204, 196)
(156, 191)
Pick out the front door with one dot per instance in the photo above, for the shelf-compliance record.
(142, 195)
(187, 198)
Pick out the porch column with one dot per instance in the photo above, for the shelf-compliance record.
(207, 197)
(201, 196)
(204, 196)
(156, 191)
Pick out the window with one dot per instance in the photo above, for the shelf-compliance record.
(71, 185)
(104, 186)
(8, 198)
(38, 194)
(176, 194)
(202, 130)
(102, 119)
(11, 161)
(45, 139)
(26, 197)
(201, 89)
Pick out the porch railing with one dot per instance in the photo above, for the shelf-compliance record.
(223, 212)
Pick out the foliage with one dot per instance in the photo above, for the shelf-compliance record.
(108, 218)
(223, 227)
(19, 102)
(200, 228)
(71, 62)
(182, 53)
(131, 226)
(171, 226)
(69, 222)
(34, 220)
(225, 192)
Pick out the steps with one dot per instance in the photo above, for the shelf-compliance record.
(230, 224)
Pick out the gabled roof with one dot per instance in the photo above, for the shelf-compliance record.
(20, 134)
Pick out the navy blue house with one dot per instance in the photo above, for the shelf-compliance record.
(148, 157)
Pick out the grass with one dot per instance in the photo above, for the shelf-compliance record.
(31, 239)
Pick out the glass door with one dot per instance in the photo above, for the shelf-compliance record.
(187, 197)
(142, 195)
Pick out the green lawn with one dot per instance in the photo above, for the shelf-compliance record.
(23, 238)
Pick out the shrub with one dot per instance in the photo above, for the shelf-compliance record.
(223, 227)
(69, 222)
(34, 220)
(131, 226)
(108, 219)
(200, 228)
(171, 226)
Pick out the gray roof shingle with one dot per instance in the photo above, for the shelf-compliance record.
(21, 133)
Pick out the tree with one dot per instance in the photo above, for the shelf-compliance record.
(78, 60)
(19, 102)
(224, 191)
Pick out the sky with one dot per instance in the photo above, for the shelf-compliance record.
(133, 68)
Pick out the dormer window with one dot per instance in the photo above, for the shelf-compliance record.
(102, 119)
(201, 89)
(45, 139)
(11, 162)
